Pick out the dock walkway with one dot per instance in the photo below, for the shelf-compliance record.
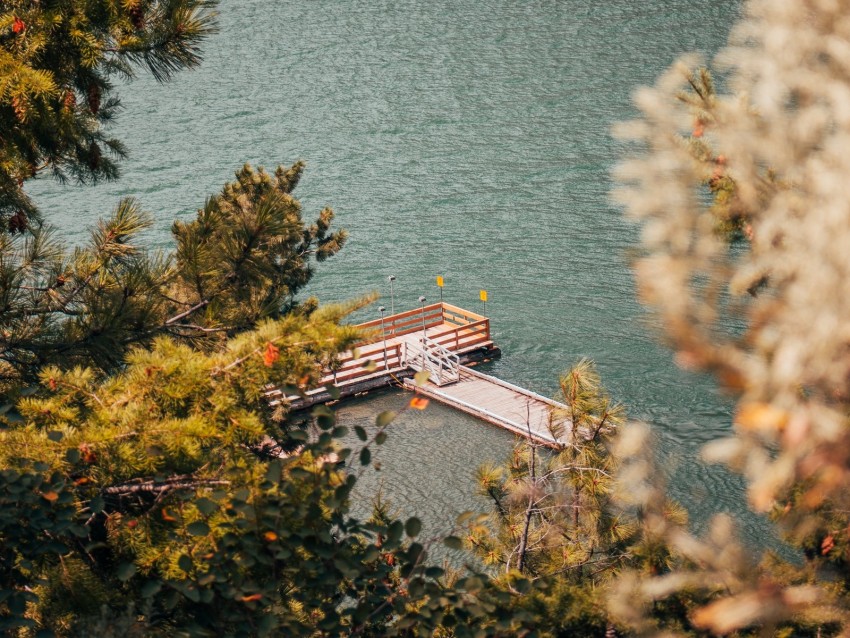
(442, 339)
(511, 407)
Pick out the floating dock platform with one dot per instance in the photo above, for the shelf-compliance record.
(442, 339)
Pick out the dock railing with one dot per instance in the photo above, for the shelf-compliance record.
(403, 323)
(442, 365)
(460, 329)
(365, 360)
(450, 330)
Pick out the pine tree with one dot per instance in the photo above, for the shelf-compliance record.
(248, 253)
(243, 260)
(558, 521)
(165, 495)
(553, 522)
(58, 61)
(552, 512)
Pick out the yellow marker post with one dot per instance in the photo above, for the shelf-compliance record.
(440, 286)
(482, 295)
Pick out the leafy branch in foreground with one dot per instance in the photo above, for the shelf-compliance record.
(782, 354)
(149, 493)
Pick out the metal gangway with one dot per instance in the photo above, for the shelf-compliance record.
(442, 364)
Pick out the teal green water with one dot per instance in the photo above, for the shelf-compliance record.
(468, 139)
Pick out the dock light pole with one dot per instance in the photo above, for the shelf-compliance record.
(392, 294)
(382, 310)
(422, 301)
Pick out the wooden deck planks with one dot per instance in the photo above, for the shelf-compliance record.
(357, 375)
(490, 399)
(466, 334)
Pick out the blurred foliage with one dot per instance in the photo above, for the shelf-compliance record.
(782, 353)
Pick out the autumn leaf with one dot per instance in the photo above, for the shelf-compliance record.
(270, 536)
(167, 517)
(827, 545)
(271, 355)
(87, 453)
(252, 598)
(50, 496)
(19, 25)
(418, 403)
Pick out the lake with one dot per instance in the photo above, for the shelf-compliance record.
(468, 139)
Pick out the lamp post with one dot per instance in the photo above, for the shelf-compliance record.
(384, 333)
(422, 301)
(392, 294)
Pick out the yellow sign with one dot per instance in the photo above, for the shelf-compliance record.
(440, 281)
(482, 295)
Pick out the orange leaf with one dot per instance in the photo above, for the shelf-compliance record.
(52, 384)
(252, 598)
(132, 523)
(82, 480)
(19, 25)
(50, 496)
(167, 517)
(827, 544)
(88, 454)
(418, 403)
(270, 536)
(271, 355)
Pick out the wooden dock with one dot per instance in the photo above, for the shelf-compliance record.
(442, 339)
(511, 407)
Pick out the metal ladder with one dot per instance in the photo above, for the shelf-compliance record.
(442, 365)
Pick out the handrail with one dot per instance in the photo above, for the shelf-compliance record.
(481, 327)
(432, 315)
(406, 318)
(442, 364)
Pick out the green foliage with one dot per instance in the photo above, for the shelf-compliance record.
(563, 609)
(248, 252)
(164, 498)
(242, 261)
(552, 511)
(159, 468)
(57, 64)
(37, 525)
